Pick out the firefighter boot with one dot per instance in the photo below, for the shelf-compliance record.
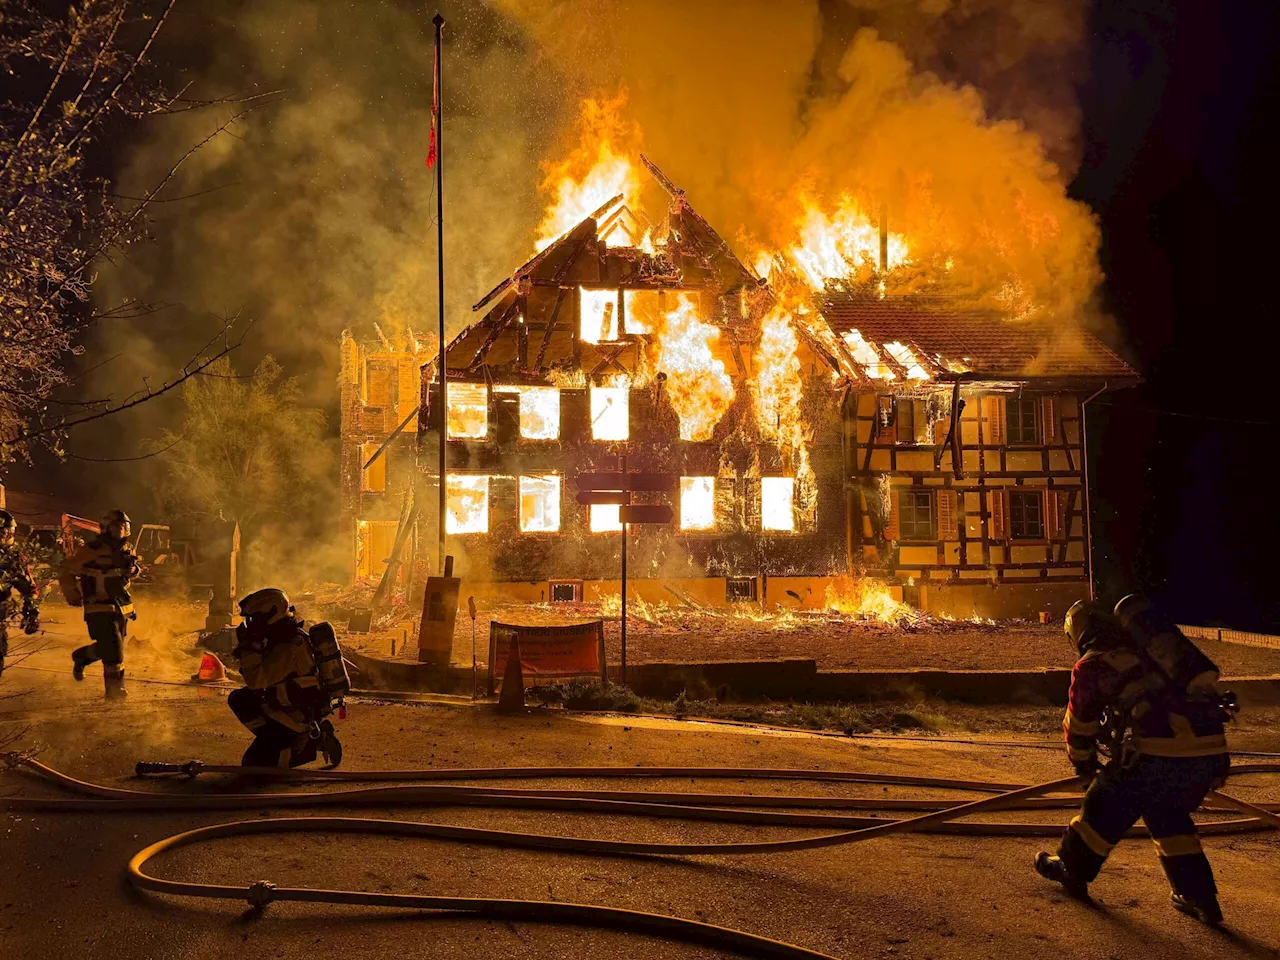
(1206, 911)
(1053, 868)
(329, 745)
(113, 681)
(78, 663)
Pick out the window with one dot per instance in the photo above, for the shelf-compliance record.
(598, 315)
(374, 479)
(697, 503)
(1026, 514)
(740, 590)
(539, 411)
(645, 310)
(609, 413)
(468, 411)
(605, 518)
(1020, 420)
(466, 503)
(378, 385)
(565, 591)
(777, 496)
(375, 540)
(912, 419)
(539, 504)
(915, 515)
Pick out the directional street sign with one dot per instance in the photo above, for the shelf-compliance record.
(646, 513)
(646, 482)
(590, 497)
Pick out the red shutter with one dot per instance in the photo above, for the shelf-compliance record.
(1049, 418)
(891, 529)
(947, 516)
(888, 428)
(996, 526)
(994, 412)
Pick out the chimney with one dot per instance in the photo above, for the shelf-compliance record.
(884, 239)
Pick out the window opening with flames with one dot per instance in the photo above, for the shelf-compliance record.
(777, 503)
(605, 518)
(539, 411)
(540, 504)
(610, 418)
(467, 503)
(468, 411)
(697, 503)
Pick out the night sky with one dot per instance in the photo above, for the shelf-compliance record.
(1180, 165)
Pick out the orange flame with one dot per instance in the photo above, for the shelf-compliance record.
(835, 247)
(700, 389)
(868, 598)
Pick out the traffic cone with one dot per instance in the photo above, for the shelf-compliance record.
(512, 695)
(211, 670)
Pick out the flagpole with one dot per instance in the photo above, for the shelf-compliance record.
(442, 365)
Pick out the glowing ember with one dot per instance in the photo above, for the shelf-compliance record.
(540, 504)
(697, 503)
(833, 248)
(467, 503)
(605, 518)
(599, 315)
(870, 599)
(609, 413)
(597, 170)
(902, 353)
(867, 357)
(468, 410)
(777, 503)
(700, 389)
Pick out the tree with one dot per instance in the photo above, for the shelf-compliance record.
(77, 78)
(247, 450)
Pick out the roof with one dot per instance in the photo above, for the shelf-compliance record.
(982, 342)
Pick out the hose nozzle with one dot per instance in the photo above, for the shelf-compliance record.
(153, 768)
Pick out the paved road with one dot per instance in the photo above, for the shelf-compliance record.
(62, 892)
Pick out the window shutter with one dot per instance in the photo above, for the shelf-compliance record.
(1049, 419)
(947, 525)
(891, 528)
(994, 412)
(940, 428)
(885, 413)
(997, 526)
(1055, 509)
(924, 427)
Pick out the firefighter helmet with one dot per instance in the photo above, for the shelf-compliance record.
(1131, 607)
(1088, 622)
(115, 524)
(265, 607)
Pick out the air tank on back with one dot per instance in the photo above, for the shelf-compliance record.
(1181, 661)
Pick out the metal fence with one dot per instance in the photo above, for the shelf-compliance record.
(1232, 636)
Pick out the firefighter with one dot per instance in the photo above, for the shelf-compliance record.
(15, 577)
(282, 701)
(97, 577)
(1160, 719)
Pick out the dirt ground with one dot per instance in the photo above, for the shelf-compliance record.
(669, 634)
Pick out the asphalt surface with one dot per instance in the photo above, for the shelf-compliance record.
(63, 893)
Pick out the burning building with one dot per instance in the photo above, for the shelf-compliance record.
(842, 432)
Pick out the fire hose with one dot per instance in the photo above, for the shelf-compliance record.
(691, 806)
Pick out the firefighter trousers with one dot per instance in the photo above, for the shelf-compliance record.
(274, 743)
(1163, 792)
(107, 631)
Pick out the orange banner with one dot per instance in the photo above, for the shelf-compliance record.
(549, 651)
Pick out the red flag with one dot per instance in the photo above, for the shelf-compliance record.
(432, 150)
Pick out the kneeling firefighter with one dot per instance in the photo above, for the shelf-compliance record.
(1148, 698)
(15, 578)
(97, 578)
(292, 676)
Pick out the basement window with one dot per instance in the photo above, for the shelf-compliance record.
(1021, 424)
(610, 418)
(605, 518)
(539, 504)
(565, 591)
(374, 479)
(467, 503)
(697, 503)
(777, 503)
(468, 411)
(598, 316)
(1026, 513)
(539, 411)
(740, 590)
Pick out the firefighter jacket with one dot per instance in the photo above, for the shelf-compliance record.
(282, 667)
(1131, 691)
(98, 575)
(15, 577)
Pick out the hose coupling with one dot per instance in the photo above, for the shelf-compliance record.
(260, 894)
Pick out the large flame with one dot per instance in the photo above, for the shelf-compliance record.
(868, 598)
(700, 389)
(778, 391)
(594, 172)
(835, 247)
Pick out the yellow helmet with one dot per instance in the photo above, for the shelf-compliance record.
(1088, 621)
(266, 606)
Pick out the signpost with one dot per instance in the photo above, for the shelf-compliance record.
(616, 488)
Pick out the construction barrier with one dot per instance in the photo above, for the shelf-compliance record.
(560, 650)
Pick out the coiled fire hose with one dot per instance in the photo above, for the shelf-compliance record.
(690, 805)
